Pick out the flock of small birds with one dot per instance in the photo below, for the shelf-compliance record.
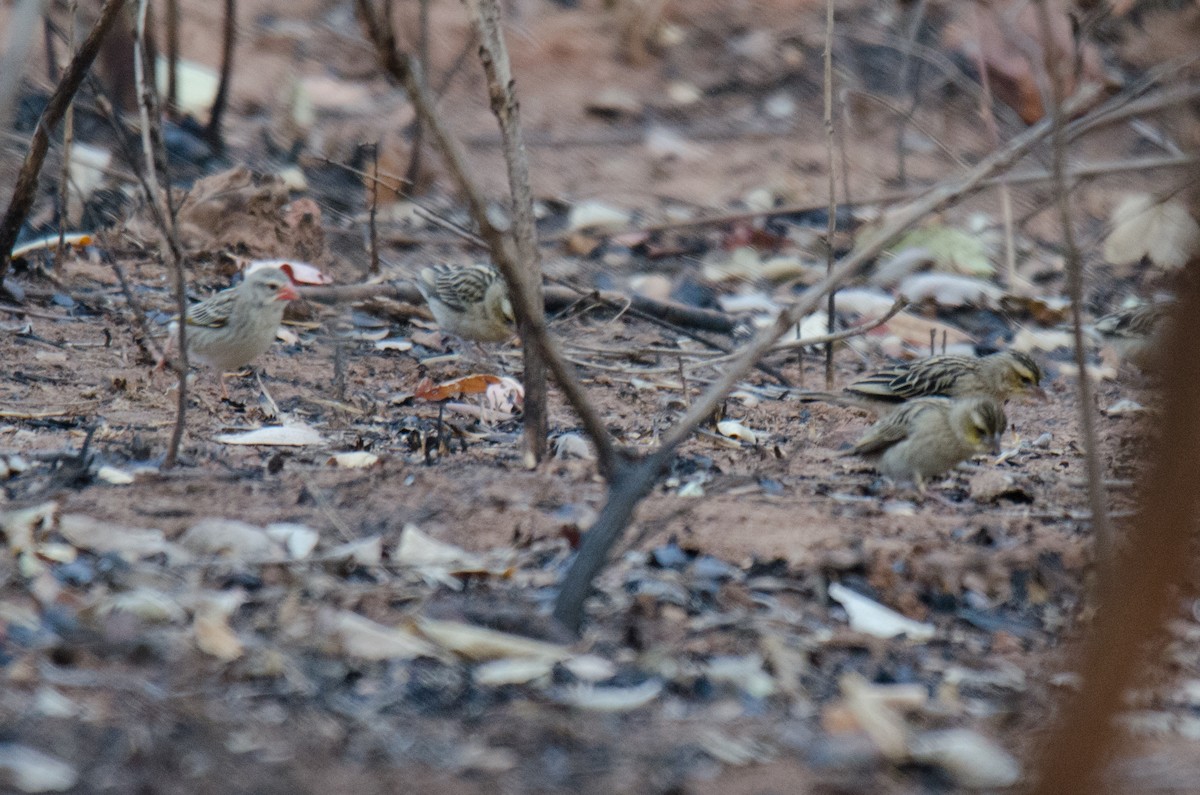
(936, 412)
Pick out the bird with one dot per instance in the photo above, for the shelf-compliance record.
(1135, 332)
(999, 376)
(925, 437)
(468, 301)
(228, 330)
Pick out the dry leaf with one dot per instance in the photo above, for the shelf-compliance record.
(360, 459)
(358, 636)
(103, 537)
(474, 384)
(26, 769)
(274, 436)
(867, 615)
(736, 430)
(610, 699)
(480, 643)
(229, 537)
(972, 760)
(1164, 232)
(20, 525)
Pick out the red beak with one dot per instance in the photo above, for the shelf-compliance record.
(287, 293)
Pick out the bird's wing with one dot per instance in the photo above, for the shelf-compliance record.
(896, 426)
(212, 312)
(932, 376)
(1138, 321)
(457, 287)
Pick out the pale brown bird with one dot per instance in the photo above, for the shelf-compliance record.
(999, 376)
(468, 301)
(235, 326)
(1135, 332)
(928, 436)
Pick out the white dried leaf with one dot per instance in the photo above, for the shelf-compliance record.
(863, 301)
(867, 615)
(746, 672)
(214, 636)
(146, 604)
(1029, 340)
(26, 769)
(512, 671)
(590, 668)
(950, 290)
(298, 271)
(972, 760)
(365, 552)
(103, 537)
(20, 525)
(883, 724)
(359, 636)
(53, 704)
(394, 344)
(736, 430)
(114, 476)
(229, 537)
(610, 699)
(57, 553)
(418, 549)
(359, 459)
(1165, 232)
(480, 643)
(88, 169)
(195, 85)
(299, 540)
(11, 466)
(572, 445)
(274, 436)
(596, 215)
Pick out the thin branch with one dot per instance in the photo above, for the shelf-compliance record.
(148, 111)
(64, 92)
(485, 15)
(372, 228)
(1097, 498)
(831, 221)
(212, 132)
(172, 56)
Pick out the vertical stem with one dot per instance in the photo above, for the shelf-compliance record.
(418, 139)
(1097, 499)
(372, 228)
(172, 56)
(64, 186)
(831, 226)
(149, 112)
(221, 101)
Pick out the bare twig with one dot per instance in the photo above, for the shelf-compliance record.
(1097, 499)
(372, 228)
(172, 16)
(64, 185)
(64, 92)
(485, 15)
(164, 214)
(413, 171)
(908, 85)
(831, 223)
(213, 131)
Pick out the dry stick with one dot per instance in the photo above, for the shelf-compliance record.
(172, 56)
(405, 71)
(372, 228)
(27, 179)
(1097, 499)
(1157, 562)
(831, 223)
(993, 131)
(164, 213)
(212, 132)
(68, 141)
(418, 137)
(634, 482)
(493, 53)
(906, 68)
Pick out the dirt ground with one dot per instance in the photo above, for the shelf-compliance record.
(242, 671)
